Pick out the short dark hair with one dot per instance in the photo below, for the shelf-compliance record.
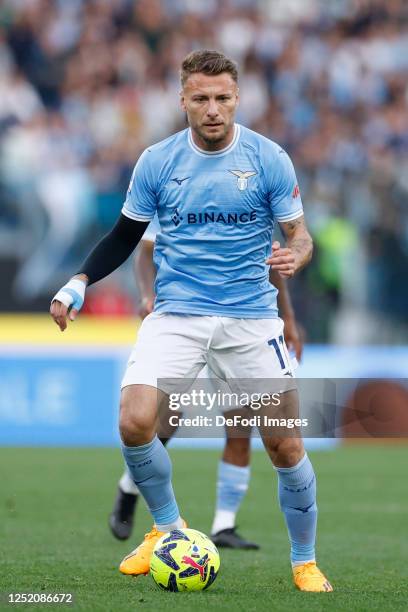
(207, 62)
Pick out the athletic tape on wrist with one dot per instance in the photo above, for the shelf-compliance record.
(71, 293)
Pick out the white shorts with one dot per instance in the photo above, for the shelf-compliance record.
(178, 347)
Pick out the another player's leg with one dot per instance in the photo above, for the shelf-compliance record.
(297, 499)
(232, 485)
(150, 466)
(122, 517)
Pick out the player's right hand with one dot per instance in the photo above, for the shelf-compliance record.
(294, 336)
(69, 299)
(146, 306)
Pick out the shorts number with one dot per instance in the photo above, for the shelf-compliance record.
(276, 346)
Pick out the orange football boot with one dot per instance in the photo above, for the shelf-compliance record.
(308, 577)
(138, 561)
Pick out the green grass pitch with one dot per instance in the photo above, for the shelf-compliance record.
(54, 535)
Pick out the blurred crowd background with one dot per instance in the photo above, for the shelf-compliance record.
(86, 85)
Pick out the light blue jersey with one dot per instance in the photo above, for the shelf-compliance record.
(216, 212)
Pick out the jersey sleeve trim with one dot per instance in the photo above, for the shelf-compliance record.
(134, 216)
(290, 217)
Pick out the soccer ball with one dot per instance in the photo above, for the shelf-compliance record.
(184, 560)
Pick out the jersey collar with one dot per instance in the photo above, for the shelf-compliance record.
(221, 152)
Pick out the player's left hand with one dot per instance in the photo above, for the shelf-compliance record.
(293, 336)
(282, 260)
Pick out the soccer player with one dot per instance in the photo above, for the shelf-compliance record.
(234, 467)
(218, 188)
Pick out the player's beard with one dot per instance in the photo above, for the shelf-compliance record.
(213, 139)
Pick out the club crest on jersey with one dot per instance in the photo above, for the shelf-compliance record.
(243, 177)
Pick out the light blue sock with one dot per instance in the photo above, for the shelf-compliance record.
(232, 485)
(297, 499)
(150, 467)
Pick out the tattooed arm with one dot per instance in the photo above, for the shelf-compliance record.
(298, 251)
